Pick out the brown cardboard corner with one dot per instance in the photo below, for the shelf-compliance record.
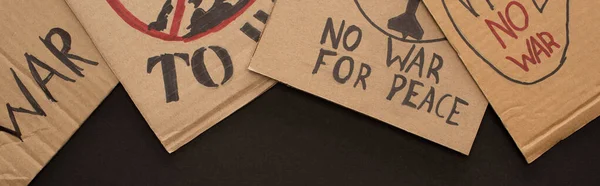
(319, 58)
(541, 97)
(53, 79)
(185, 63)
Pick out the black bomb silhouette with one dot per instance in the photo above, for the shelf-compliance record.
(207, 16)
(407, 23)
(201, 20)
(403, 20)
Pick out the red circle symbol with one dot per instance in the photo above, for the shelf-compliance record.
(173, 34)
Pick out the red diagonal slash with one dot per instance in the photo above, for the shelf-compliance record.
(179, 10)
(141, 26)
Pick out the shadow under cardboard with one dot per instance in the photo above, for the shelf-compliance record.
(288, 137)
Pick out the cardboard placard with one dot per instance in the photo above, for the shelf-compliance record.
(184, 63)
(386, 59)
(535, 60)
(52, 78)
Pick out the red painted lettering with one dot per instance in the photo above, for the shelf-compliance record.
(508, 26)
(549, 43)
(535, 49)
(525, 58)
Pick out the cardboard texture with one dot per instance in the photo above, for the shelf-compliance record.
(52, 78)
(386, 59)
(535, 60)
(184, 63)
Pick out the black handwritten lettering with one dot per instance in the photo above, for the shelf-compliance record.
(411, 93)
(329, 30)
(469, 7)
(395, 87)
(169, 71)
(419, 61)
(198, 69)
(336, 69)
(199, 66)
(322, 54)
(435, 71)
(428, 99)
(354, 45)
(31, 61)
(63, 54)
(454, 111)
(437, 108)
(363, 75)
(391, 60)
(337, 38)
(37, 109)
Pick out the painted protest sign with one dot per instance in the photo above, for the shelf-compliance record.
(533, 59)
(52, 78)
(184, 63)
(386, 59)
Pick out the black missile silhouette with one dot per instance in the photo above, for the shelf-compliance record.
(407, 23)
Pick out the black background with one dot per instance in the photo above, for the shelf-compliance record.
(288, 137)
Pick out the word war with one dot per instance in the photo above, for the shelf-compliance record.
(542, 43)
(65, 57)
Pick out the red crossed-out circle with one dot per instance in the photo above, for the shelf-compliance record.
(139, 25)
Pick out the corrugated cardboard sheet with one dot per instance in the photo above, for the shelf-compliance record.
(52, 78)
(386, 59)
(184, 63)
(535, 60)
